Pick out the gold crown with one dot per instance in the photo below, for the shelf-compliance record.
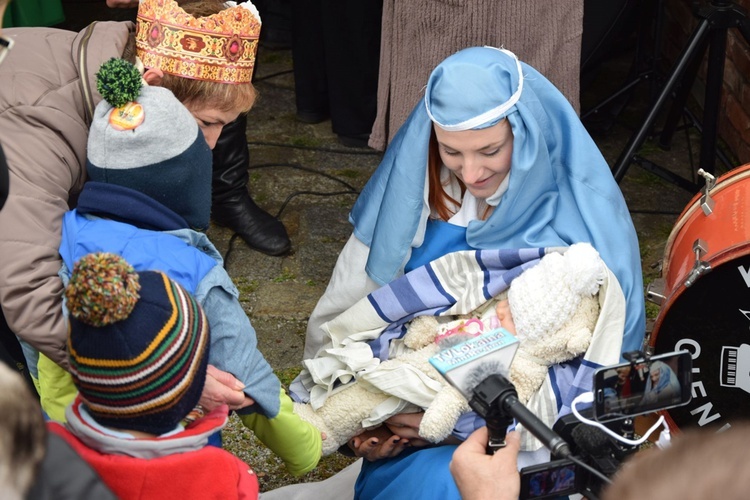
(217, 48)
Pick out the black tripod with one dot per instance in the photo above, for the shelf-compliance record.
(645, 61)
(716, 19)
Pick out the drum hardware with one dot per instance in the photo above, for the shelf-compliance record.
(707, 203)
(648, 349)
(655, 291)
(715, 20)
(701, 267)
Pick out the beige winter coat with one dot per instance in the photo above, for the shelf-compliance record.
(44, 127)
(418, 34)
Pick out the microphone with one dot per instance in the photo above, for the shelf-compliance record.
(592, 441)
(599, 447)
(495, 398)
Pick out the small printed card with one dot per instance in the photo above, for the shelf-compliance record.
(458, 364)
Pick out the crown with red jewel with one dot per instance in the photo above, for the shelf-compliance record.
(217, 48)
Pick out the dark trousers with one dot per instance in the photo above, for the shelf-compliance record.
(11, 353)
(336, 51)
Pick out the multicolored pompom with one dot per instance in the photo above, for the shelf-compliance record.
(103, 289)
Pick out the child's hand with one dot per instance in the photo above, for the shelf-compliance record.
(377, 443)
(502, 309)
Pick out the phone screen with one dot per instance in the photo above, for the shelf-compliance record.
(664, 381)
(552, 479)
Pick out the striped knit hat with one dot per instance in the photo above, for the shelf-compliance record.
(138, 345)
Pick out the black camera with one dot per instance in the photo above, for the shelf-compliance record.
(642, 385)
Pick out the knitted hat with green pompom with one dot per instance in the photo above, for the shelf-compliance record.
(143, 138)
(138, 345)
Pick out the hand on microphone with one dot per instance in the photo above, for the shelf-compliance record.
(487, 477)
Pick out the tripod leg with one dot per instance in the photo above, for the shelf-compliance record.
(628, 154)
(680, 97)
(712, 102)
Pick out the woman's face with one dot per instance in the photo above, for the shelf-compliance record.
(211, 121)
(655, 377)
(480, 158)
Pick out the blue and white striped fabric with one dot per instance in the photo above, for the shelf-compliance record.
(363, 335)
(458, 283)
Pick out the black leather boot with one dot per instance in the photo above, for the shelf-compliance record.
(232, 206)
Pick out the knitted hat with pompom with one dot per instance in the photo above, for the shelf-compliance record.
(143, 138)
(138, 345)
(546, 296)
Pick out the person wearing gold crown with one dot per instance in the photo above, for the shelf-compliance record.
(203, 51)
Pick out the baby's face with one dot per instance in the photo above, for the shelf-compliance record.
(622, 373)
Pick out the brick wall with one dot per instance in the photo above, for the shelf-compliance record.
(734, 118)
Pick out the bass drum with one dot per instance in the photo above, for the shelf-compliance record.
(706, 303)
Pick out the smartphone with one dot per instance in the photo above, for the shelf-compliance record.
(643, 386)
(552, 479)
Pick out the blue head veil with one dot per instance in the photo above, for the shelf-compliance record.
(667, 387)
(560, 191)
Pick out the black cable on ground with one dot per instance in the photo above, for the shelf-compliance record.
(350, 190)
(305, 169)
(347, 151)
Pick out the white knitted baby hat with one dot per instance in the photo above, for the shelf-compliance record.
(544, 297)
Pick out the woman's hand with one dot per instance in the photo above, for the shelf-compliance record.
(377, 443)
(223, 388)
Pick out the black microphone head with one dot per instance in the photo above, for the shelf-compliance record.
(592, 441)
(479, 373)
